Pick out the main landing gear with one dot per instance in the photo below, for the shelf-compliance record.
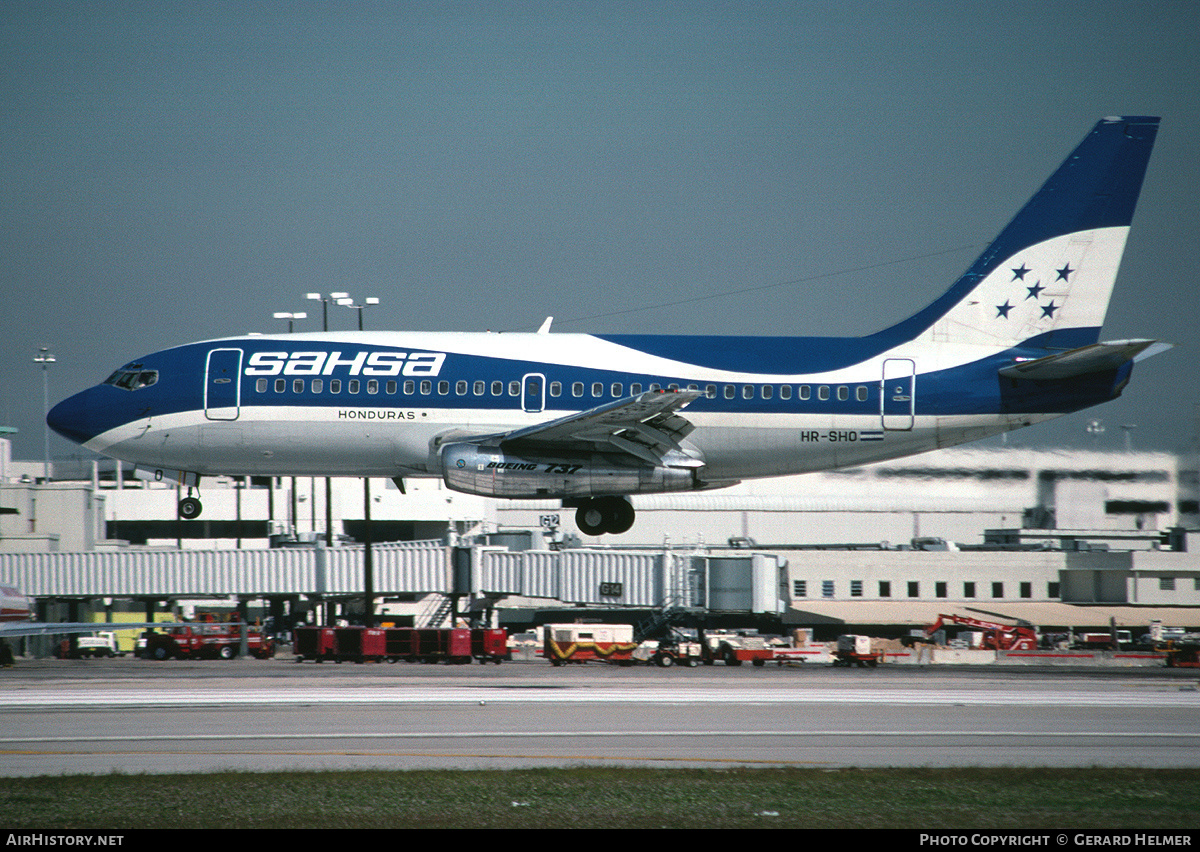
(599, 515)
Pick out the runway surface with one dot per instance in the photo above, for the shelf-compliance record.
(132, 715)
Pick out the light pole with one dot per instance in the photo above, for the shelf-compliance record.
(45, 357)
(290, 317)
(347, 302)
(368, 559)
(325, 300)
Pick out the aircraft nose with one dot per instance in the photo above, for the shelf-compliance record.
(71, 418)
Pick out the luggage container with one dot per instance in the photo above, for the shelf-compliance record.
(489, 645)
(401, 644)
(314, 643)
(359, 644)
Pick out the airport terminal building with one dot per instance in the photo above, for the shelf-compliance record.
(1062, 539)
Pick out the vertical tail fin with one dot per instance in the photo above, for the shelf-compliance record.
(1047, 278)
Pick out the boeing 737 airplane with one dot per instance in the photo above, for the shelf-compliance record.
(591, 419)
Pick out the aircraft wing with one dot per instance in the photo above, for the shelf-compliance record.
(16, 629)
(646, 426)
(1086, 359)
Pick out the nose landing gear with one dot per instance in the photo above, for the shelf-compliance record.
(190, 507)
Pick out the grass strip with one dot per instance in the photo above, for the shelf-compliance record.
(612, 798)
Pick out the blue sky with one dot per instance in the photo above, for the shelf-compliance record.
(179, 171)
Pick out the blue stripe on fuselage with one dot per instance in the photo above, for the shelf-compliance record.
(973, 388)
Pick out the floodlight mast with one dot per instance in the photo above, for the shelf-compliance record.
(368, 560)
(45, 357)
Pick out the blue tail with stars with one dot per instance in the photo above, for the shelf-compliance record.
(1045, 281)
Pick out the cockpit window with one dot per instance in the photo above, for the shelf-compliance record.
(132, 379)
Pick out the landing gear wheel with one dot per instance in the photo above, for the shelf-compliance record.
(620, 516)
(601, 515)
(590, 519)
(190, 508)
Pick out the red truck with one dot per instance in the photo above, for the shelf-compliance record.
(207, 639)
(996, 637)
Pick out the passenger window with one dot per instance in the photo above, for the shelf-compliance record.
(577, 389)
(843, 393)
(372, 386)
(497, 388)
(785, 392)
(710, 391)
(318, 385)
(673, 387)
(335, 385)
(426, 387)
(514, 388)
(635, 388)
(297, 385)
(730, 391)
(767, 391)
(597, 389)
(616, 389)
(805, 392)
(352, 387)
(655, 386)
(823, 392)
(861, 393)
(280, 385)
(443, 387)
(261, 385)
(409, 387)
(556, 389)
(391, 387)
(747, 391)
(460, 387)
(479, 388)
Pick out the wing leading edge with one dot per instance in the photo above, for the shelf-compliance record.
(645, 426)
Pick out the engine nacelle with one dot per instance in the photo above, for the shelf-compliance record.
(493, 472)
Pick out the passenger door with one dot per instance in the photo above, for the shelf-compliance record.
(223, 384)
(898, 394)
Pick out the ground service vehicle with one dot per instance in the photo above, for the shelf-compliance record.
(206, 640)
(855, 650)
(1184, 653)
(670, 652)
(734, 648)
(1103, 640)
(996, 636)
(580, 643)
(102, 644)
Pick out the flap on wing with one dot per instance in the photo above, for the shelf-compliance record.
(645, 426)
(1095, 358)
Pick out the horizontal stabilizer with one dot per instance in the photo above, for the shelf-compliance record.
(1096, 358)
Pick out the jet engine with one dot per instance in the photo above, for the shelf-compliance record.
(495, 472)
